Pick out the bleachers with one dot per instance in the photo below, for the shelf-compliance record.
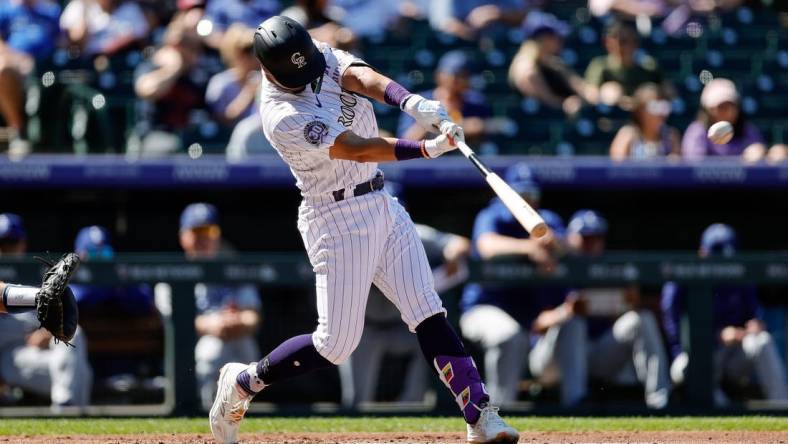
(747, 45)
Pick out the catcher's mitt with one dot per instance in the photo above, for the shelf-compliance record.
(56, 307)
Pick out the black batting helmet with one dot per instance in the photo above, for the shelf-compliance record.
(287, 51)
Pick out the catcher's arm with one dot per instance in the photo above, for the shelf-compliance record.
(17, 298)
(2, 304)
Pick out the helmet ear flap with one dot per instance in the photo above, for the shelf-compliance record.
(259, 45)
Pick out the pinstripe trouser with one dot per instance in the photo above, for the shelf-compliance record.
(352, 244)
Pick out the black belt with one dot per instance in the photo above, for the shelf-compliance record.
(374, 184)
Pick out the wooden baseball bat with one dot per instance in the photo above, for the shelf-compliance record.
(524, 213)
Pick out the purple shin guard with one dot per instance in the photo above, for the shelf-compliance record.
(462, 378)
(444, 350)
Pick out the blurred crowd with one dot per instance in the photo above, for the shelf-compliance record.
(559, 339)
(152, 78)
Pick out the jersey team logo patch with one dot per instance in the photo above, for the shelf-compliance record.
(314, 132)
(298, 60)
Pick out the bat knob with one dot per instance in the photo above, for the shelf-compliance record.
(540, 230)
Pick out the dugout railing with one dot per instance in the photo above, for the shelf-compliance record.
(292, 270)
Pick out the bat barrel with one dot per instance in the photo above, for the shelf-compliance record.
(524, 213)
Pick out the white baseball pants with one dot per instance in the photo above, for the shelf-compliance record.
(352, 244)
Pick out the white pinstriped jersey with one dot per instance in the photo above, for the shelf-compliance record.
(302, 127)
(357, 241)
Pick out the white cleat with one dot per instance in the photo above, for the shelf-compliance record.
(490, 428)
(230, 405)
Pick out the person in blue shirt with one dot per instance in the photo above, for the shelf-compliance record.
(122, 304)
(171, 87)
(624, 341)
(227, 315)
(28, 32)
(93, 244)
(466, 18)
(13, 237)
(502, 319)
(223, 13)
(744, 348)
(231, 94)
(464, 105)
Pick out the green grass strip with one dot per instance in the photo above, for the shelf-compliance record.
(123, 426)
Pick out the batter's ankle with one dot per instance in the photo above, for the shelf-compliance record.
(249, 382)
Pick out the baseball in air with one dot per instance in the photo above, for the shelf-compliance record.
(721, 132)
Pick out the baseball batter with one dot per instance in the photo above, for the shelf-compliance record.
(316, 115)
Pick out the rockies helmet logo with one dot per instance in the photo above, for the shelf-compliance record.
(298, 60)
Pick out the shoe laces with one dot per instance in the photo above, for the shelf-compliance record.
(490, 414)
(238, 411)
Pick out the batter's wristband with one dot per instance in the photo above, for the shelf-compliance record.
(395, 94)
(409, 149)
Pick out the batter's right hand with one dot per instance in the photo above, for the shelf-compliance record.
(439, 146)
(455, 132)
(429, 114)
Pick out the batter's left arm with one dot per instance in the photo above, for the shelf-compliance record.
(363, 80)
(366, 81)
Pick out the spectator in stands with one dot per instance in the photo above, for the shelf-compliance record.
(172, 87)
(13, 237)
(465, 18)
(197, 7)
(28, 33)
(676, 13)
(501, 318)
(414, 9)
(624, 340)
(384, 334)
(103, 27)
(224, 13)
(537, 70)
(464, 105)
(744, 348)
(778, 153)
(191, 13)
(720, 102)
(367, 18)
(227, 316)
(193, 17)
(248, 139)
(323, 25)
(93, 244)
(619, 73)
(30, 358)
(648, 136)
(231, 93)
(558, 333)
(629, 8)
